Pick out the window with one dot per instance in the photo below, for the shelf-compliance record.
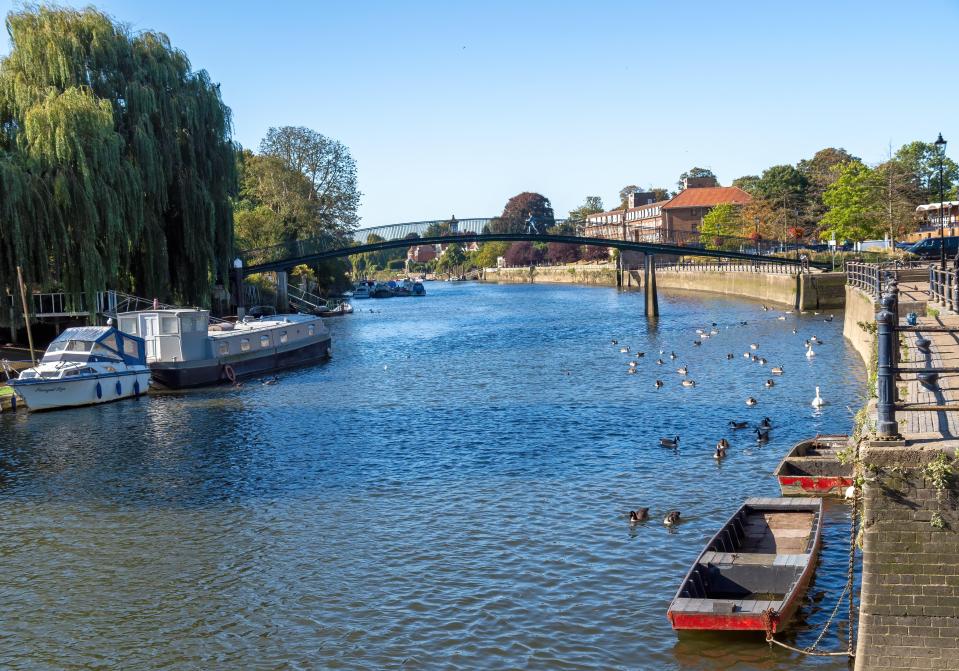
(311, 329)
(128, 325)
(283, 336)
(111, 342)
(244, 344)
(79, 346)
(130, 348)
(264, 341)
(168, 325)
(224, 348)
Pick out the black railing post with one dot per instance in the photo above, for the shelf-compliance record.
(955, 291)
(886, 426)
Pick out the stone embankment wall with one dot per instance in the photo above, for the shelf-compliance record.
(860, 308)
(909, 605)
(806, 292)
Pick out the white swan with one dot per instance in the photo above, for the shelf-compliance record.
(810, 353)
(818, 402)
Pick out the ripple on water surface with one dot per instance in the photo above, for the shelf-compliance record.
(450, 491)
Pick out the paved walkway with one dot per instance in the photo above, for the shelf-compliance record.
(929, 426)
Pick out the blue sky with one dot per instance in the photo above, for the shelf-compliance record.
(451, 108)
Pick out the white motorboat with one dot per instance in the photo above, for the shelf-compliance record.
(361, 290)
(85, 366)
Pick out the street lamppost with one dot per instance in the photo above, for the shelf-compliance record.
(941, 150)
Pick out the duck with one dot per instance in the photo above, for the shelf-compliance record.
(754, 357)
(723, 443)
(697, 342)
(766, 423)
(689, 383)
(624, 350)
(683, 370)
(714, 331)
(659, 362)
(788, 312)
(765, 309)
(632, 364)
(672, 518)
(762, 435)
(672, 355)
(781, 318)
(776, 370)
(761, 361)
(737, 425)
(639, 355)
(744, 323)
(750, 401)
(795, 331)
(720, 451)
(639, 515)
(754, 345)
(729, 356)
(705, 336)
(271, 380)
(630, 371)
(818, 402)
(828, 319)
(746, 355)
(614, 342)
(700, 331)
(659, 383)
(768, 384)
(669, 442)
(810, 352)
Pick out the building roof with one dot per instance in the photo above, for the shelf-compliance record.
(708, 196)
(946, 205)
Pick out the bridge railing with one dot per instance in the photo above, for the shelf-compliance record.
(730, 266)
(944, 288)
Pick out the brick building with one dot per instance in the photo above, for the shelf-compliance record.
(684, 213)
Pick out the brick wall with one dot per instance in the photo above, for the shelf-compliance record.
(909, 610)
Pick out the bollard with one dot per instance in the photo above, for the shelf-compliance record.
(886, 426)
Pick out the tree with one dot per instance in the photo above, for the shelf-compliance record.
(519, 209)
(592, 205)
(522, 254)
(820, 172)
(783, 187)
(452, 258)
(747, 183)
(594, 253)
(919, 163)
(659, 193)
(562, 252)
(855, 204)
(437, 229)
(723, 221)
(488, 252)
(625, 192)
(328, 167)
(117, 165)
(693, 173)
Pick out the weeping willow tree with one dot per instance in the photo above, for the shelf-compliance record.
(116, 161)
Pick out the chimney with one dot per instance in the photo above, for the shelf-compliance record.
(638, 198)
(699, 182)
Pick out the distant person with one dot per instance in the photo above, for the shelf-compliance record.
(804, 263)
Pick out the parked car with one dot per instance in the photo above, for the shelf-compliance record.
(929, 248)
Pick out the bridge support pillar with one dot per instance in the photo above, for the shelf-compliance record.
(282, 291)
(649, 285)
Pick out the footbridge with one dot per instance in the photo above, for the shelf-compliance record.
(283, 257)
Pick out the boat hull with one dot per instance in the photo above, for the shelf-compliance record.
(183, 375)
(754, 571)
(812, 468)
(42, 395)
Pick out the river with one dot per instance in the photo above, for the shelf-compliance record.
(449, 492)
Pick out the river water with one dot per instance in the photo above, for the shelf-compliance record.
(449, 492)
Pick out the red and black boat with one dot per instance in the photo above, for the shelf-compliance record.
(813, 467)
(754, 571)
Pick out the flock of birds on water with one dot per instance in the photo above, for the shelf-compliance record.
(761, 430)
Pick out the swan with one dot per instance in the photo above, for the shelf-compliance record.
(750, 401)
(776, 370)
(672, 518)
(689, 383)
(669, 442)
(810, 353)
(638, 515)
(818, 402)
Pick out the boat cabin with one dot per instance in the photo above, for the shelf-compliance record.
(95, 344)
(170, 335)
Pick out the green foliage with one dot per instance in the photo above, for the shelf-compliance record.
(692, 173)
(116, 161)
(488, 253)
(724, 220)
(452, 258)
(940, 472)
(592, 205)
(855, 204)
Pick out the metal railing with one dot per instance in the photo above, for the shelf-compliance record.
(869, 276)
(944, 288)
(306, 301)
(732, 266)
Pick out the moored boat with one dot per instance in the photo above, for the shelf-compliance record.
(362, 290)
(813, 467)
(418, 289)
(340, 310)
(85, 366)
(754, 571)
(184, 350)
